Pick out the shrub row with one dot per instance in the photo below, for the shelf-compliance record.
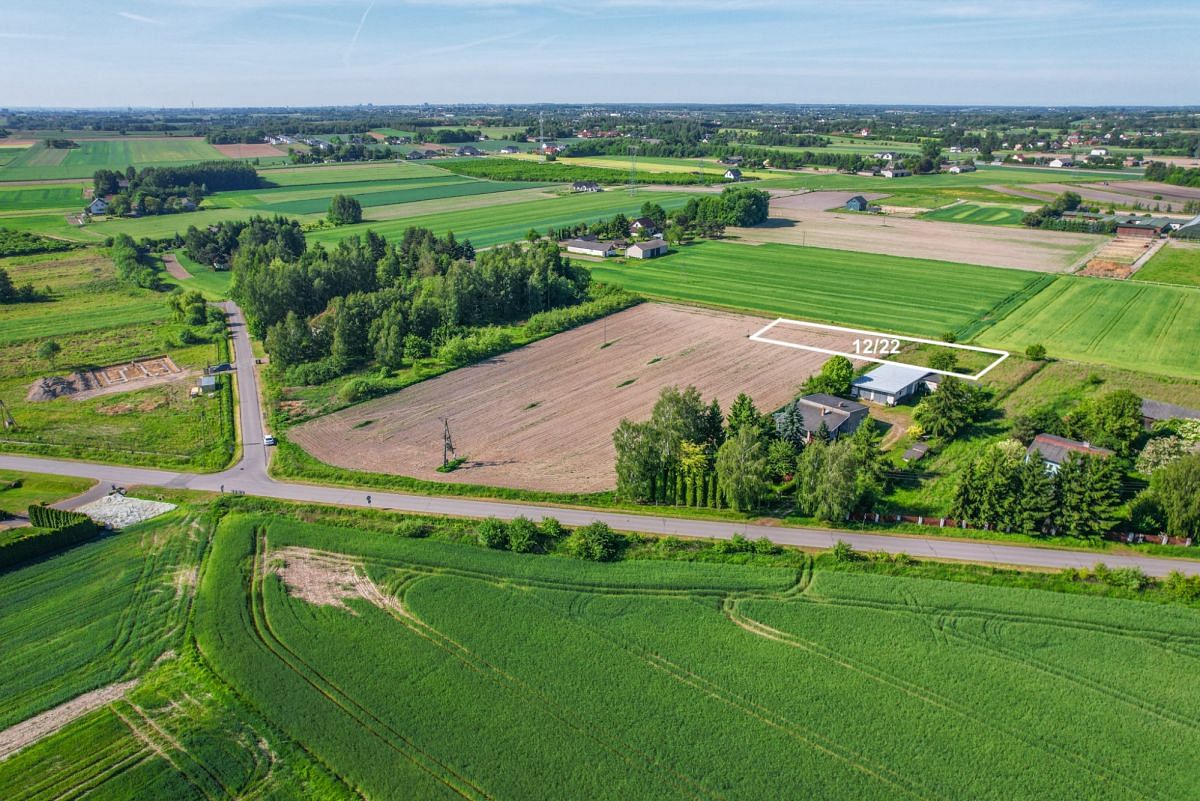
(54, 530)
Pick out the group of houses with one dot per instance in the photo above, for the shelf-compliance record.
(650, 248)
(1142, 226)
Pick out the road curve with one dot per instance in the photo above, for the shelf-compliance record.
(250, 476)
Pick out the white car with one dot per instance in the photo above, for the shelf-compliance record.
(268, 439)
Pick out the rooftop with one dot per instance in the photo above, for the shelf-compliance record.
(891, 378)
(1055, 449)
(1157, 410)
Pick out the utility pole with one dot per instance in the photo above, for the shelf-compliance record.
(447, 442)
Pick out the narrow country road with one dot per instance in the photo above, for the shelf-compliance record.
(249, 475)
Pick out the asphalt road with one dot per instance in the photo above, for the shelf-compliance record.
(250, 476)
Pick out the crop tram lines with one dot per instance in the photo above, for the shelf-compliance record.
(100, 765)
(394, 740)
(928, 696)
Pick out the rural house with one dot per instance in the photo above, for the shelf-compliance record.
(642, 225)
(891, 383)
(839, 416)
(895, 172)
(1158, 412)
(98, 206)
(651, 248)
(468, 150)
(1054, 450)
(857, 203)
(1062, 161)
(960, 168)
(586, 186)
(590, 247)
(733, 174)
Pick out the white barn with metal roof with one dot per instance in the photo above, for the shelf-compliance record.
(890, 383)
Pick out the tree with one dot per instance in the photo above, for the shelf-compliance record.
(834, 379)
(943, 359)
(492, 533)
(1089, 495)
(48, 351)
(1036, 352)
(949, 410)
(522, 535)
(1035, 497)
(742, 414)
(1177, 488)
(1112, 420)
(595, 541)
(639, 460)
(781, 459)
(743, 469)
(826, 479)
(344, 210)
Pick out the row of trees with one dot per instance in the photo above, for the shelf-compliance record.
(133, 265)
(1050, 216)
(162, 190)
(688, 453)
(1003, 488)
(1172, 174)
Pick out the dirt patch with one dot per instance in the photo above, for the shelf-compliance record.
(792, 223)
(125, 377)
(174, 268)
(1117, 258)
(327, 579)
(819, 201)
(542, 417)
(1099, 268)
(29, 731)
(250, 151)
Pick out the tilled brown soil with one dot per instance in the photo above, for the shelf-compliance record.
(542, 417)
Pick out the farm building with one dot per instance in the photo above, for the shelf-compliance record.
(895, 172)
(960, 168)
(468, 150)
(1054, 450)
(651, 248)
(186, 204)
(586, 186)
(733, 174)
(916, 453)
(98, 206)
(891, 383)
(1140, 226)
(1062, 161)
(840, 417)
(1157, 412)
(1189, 230)
(590, 247)
(1102, 152)
(643, 224)
(732, 161)
(207, 383)
(413, 155)
(857, 203)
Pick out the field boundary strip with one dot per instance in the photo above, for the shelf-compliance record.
(760, 336)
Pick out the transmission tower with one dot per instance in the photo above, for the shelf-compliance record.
(633, 151)
(447, 442)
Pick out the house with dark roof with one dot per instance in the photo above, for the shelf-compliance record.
(891, 383)
(413, 155)
(1054, 450)
(732, 161)
(857, 203)
(1158, 412)
(642, 225)
(468, 150)
(839, 417)
(586, 186)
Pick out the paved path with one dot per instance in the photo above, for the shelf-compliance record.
(250, 476)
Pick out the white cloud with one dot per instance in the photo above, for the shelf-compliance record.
(138, 18)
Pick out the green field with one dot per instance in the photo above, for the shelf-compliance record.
(98, 321)
(976, 214)
(40, 162)
(1139, 326)
(888, 293)
(214, 284)
(1173, 264)
(981, 177)
(521, 674)
(42, 196)
(20, 490)
(493, 225)
(435, 189)
(319, 174)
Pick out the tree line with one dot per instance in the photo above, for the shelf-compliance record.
(1050, 216)
(707, 216)
(134, 266)
(162, 190)
(1172, 174)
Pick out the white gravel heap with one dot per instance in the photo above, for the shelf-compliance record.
(118, 511)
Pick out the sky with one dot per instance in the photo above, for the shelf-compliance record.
(210, 53)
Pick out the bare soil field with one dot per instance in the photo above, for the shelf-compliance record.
(542, 417)
(174, 268)
(792, 223)
(242, 151)
(1126, 193)
(819, 201)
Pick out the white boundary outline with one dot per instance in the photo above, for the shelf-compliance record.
(759, 336)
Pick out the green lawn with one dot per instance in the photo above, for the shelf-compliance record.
(37, 488)
(888, 293)
(1139, 326)
(39, 162)
(42, 196)
(1173, 264)
(505, 223)
(976, 214)
(665, 680)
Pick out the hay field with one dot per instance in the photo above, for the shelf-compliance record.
(542, 417)
(794, 222)
(1139, 326)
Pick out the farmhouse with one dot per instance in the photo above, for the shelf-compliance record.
(586, 186)
(98, 206)
(895, 172)
(649, 249)
(1062, 161)
(838, 416)
(590, 247)
(959, 168)
(1054, 450)
(857, 203)
(891, 383)
(1157, 412)
(468, 150)
(642, 224)
(733, 174)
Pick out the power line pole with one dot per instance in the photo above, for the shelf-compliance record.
(447, 442)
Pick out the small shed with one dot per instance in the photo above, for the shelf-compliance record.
(207, 383)
(650, 249)
(857, 203)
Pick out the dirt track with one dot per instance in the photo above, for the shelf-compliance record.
(174, 268)
(542, 417)
(29, 731)
(798, 220)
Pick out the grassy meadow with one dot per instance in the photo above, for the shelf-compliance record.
(977, 214)
(20, 490)
(1173, 264)
(888, 293)
(1129, 324)
(97, 321)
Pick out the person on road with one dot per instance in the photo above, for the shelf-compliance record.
(368, 500)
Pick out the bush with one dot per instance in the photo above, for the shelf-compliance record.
(1036, 352)
(55, 530)
(522, 535)
(412, 529)
(1184, 588)
(594, 541)
(552, 529)
(464, 349)
(765, 547)
(492, 533)
(844, 552)
(311, 373)
(555, 320)
(360, 389)
(735, 544)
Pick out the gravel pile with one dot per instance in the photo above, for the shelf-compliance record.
(118, 511)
